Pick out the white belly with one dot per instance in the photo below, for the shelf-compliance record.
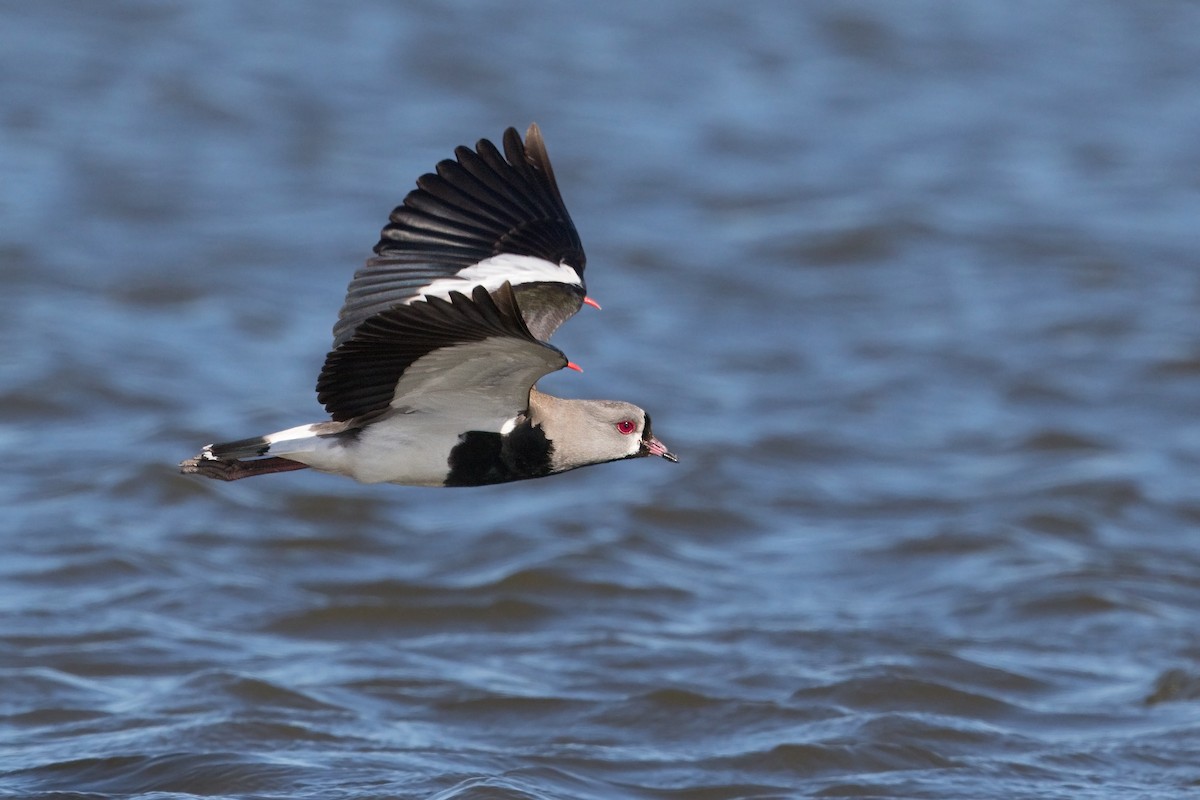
(397, 450)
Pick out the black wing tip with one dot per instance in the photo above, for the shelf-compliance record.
(522, 166)
(535, 151)
(531, 147)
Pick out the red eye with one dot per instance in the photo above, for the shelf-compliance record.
(626, 426)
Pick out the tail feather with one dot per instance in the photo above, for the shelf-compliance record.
(243, 448)
(261, 455)
(232, 470)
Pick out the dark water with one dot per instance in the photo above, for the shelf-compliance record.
(912, 289)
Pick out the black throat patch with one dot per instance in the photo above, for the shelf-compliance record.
(481, 458)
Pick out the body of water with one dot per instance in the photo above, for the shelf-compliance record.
(911, 289)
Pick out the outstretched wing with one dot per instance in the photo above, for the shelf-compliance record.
(471, 359)
(481, 220)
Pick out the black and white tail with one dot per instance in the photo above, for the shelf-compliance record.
(245, 458)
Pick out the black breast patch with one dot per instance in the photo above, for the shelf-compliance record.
(481, 458)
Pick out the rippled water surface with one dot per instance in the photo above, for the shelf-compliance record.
(911, 288)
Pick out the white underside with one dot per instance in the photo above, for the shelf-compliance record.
(409, 449)
(470, 386)
(491, 273)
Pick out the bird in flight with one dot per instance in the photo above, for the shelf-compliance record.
(443, 337)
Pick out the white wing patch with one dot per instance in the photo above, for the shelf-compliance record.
(491, 273)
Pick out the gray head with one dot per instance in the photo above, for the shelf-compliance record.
(596, 431)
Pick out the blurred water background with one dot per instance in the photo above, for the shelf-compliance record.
(911, 288)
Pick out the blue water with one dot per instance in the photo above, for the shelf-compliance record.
(910, 288)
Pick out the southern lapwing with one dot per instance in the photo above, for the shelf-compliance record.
(442, 338)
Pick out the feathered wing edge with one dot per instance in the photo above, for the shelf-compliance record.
(484, 203)
(359, 378)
